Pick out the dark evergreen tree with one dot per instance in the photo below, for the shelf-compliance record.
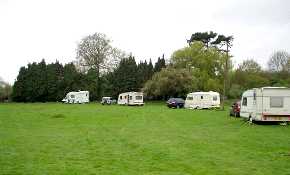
(109, 85)
(19, 86)
(31, 82)
(92, 84)
(41, 82)
(54, 77)
(142, 72)
(150, 70)
(159, 64)
(126, 75)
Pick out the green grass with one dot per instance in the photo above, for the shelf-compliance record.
(53, 138)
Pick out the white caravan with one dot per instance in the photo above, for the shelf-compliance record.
(266, 104)
(202, 100)
(131, 98)
(77, 97)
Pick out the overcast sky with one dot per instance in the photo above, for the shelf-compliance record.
(34, 29)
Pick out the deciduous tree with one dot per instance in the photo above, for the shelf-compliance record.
(95, 51)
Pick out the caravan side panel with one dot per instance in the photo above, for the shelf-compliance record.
(276, 104)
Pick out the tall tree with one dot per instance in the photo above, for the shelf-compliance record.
(250, 66)
(150, 70)
(205, 37)
(95, 51)
(92, 84)
(279, 61)
(54, 78)
(19, 86)
(220, 42)
(206, 64)
(159, 64)
(126, 75)
(142, 72)
(41, 82)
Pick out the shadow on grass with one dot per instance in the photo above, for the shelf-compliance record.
(58, 116)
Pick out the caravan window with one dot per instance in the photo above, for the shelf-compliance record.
(130, 97)
(139, 97)
(189, 98)
(245, 101)
(214, 98)
(120, 97)
(201, 97)
(276, 102)
(72, 96)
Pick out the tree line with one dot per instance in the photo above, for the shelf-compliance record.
(199, 67)
(42, 82)
(204, 65)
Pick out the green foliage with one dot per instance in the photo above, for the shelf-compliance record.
(249, 74)
(205, 37)
(95, 52)
(52, 81)
(103, 70)
(159, 64)
(125, 76)
(235, 91)
(41, 82)
(205, 64)
(223, 40)
(169, 82)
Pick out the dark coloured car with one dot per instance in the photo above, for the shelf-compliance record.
(235, 109)
(175, 103)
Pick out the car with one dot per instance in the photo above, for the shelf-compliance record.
(175, 103)
(235, 109)
(108, 101)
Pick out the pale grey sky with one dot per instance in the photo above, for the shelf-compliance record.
(34, 29)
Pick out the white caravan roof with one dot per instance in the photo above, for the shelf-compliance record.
(273, 88)
(78, 92)
(251, 91)
(204, 93)
(131, 93)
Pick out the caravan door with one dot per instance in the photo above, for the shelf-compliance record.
(247, 104)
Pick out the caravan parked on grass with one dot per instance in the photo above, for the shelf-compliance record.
(202, 100)
(266, 104)
(131, 98)
(77, 97)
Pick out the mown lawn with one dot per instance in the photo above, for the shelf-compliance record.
(54, 138)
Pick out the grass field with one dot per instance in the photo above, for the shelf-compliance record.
(52, 138)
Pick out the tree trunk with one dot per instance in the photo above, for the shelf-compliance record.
(225, 78)
(98, 81)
